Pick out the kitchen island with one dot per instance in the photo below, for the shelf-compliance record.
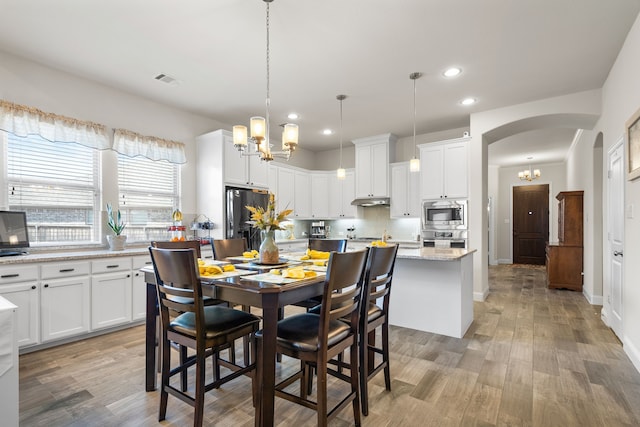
(432, 290)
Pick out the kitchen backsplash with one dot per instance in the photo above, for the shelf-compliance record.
(372, 223)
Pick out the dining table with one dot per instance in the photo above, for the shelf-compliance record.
(253, 289)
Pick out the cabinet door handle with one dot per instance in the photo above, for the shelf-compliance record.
(46, 285)
(67, 270)
(128, 275)
(8, 276)
(113, 266)
(618, 253)
(33, 287)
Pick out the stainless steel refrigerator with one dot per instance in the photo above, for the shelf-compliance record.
(237, 214)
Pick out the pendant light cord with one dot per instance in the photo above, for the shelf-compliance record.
(341, 98)
(267, 147)
(415, 146)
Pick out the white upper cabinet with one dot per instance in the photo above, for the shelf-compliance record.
(405, 195)
(320, 194)
(341, 194)
(302, 195)
(286, 190)
(373, 155)
(444, 169)
(243, 170)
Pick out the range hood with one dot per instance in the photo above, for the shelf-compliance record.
(371, 201)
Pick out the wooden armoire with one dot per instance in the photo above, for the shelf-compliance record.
(565, 258)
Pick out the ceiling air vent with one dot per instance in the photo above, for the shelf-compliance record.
(166, 79)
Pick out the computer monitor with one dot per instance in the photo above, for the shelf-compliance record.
(14, 237)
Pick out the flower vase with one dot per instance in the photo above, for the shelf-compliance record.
(269, 253)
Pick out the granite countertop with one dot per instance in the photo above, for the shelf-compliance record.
(434, 254)
(72, 255)
(427, 254)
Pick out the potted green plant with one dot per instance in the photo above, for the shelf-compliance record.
(115, 223)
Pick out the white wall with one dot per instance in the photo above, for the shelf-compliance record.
(620, 99)
(584, 172)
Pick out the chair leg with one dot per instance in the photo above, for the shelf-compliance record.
(183, 374)
(354, 383)
(245, 341)
(165, 368)
(321, 392)
(385, 355)
(363, 350)
(198, 416)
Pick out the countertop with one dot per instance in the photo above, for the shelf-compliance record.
(427, 254)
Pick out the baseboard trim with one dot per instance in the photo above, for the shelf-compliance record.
(481, 296)
(592, 299)
(505, 261)
(632, 352)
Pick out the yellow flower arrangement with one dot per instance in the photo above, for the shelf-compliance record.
(268, 219)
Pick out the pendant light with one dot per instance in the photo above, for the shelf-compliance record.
(341, 173)
(414, 163)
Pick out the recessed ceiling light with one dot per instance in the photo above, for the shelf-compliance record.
(327, 132)
(292, 116)
(452, 72)
(468, 101)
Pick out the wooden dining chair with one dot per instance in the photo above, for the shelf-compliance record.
(184, 244)
(195, 245)
(223, 248)
(315, 339)
(207, 330)
(376, 288)
(324, 245)
(328, 245)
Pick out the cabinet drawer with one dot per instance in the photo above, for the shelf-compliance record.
(110, 264)
(141, 261)
(64, 269)
(18, 273)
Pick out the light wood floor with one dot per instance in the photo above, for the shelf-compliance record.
(532, 357)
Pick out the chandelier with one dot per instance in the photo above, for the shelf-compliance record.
(529, 174)
(259, 127)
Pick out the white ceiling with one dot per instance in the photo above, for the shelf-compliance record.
(511, 52)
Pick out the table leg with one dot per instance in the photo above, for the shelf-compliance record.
(150, 338)
(267, 372)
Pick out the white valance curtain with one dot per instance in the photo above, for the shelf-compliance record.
(24, 121)
(132, 144)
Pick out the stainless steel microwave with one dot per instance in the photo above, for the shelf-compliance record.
(444, 214)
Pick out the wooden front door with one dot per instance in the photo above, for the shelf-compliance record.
(530, 223)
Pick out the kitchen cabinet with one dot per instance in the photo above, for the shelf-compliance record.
(139, 287)
(405, 196)
(565, 260)
(243, 170)
(19, 285)
(320, 194)
(285, 195)
(64, 300)
(444, 170)
(111, 292)
(373, 155)
(342, 192)
(302, 195)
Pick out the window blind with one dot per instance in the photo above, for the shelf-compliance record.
(149, 192)
(56, 184)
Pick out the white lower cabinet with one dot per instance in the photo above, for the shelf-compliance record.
(139, 288)
(64, 307)
(19, 285)
(25, 295)
(111, 292)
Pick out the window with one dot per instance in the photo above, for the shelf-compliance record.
(148, 195)
(56, 184)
